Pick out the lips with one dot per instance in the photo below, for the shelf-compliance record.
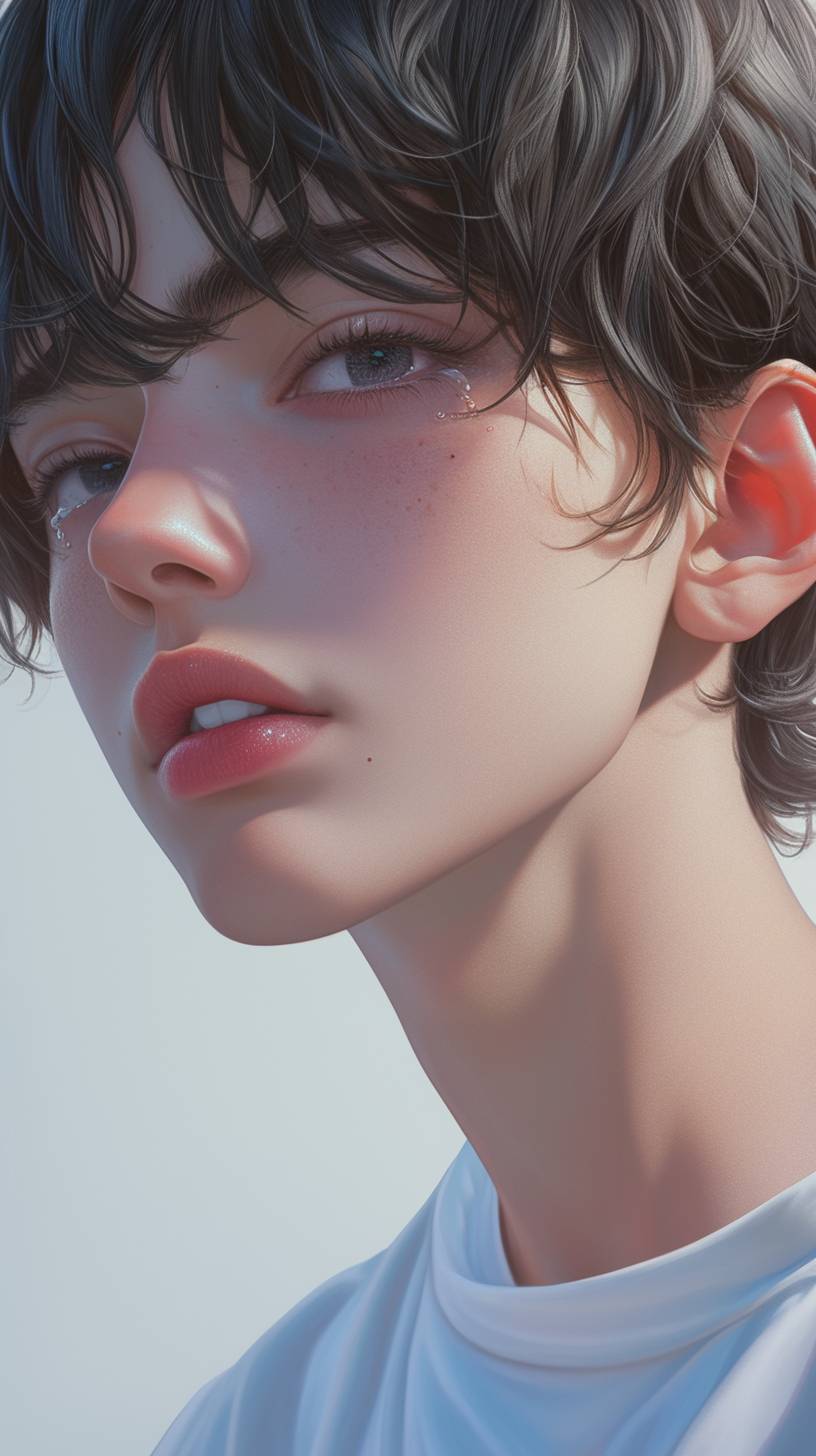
(177, 682)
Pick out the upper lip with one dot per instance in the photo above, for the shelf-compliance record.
(177, 682)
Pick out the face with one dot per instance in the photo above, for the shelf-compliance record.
(394, 568)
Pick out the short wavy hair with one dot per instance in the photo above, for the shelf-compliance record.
(636, 180)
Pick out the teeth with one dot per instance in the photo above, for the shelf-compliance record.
(227, 710)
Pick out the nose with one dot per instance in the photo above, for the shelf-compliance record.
(170, 535)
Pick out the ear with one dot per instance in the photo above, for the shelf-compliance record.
(735, 576)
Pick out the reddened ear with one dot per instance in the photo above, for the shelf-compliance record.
(737, 574)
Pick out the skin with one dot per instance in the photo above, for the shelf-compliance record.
(534, 832)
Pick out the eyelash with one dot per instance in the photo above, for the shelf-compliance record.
(45, 478)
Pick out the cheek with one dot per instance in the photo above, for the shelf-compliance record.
(90, 638)
(491, 657)
(356, 512)
(482, 691)
(80, 607)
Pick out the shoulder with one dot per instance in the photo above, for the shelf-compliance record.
(274, 1365)
(263, 1392)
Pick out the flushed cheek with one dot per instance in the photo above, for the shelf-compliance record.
(496, 673)
(407, 538)
(419, 544)
(386, 511)
(362, 508)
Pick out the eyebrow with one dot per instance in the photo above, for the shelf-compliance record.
(214, 288)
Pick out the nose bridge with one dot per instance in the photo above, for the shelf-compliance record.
(173, 403)
(181, 429)
(171, 528)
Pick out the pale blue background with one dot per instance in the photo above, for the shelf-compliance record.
(194, 1133)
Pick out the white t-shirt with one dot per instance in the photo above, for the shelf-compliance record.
(429, 1348)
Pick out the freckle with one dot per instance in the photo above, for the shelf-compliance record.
(453, 457)
(368, 760)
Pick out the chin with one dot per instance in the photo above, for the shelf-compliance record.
(262, 905)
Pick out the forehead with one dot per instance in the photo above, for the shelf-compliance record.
(169, 241)
(170, 245)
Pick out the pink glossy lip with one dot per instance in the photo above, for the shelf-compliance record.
(223, 758)
(177, 682)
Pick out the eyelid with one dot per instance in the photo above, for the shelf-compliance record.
(333, 335)
(56, 451)
(330, 338)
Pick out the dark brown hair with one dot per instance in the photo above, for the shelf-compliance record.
(636, 179)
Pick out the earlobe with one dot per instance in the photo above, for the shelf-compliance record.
(737, 574)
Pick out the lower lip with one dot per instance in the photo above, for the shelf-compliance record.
(221, 758)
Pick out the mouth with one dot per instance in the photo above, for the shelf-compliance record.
(197, 690)
(229, 710)
(223, 757)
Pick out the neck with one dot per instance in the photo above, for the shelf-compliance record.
(616, 1003)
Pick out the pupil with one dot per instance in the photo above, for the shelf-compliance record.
(376, 362)
(97, 468)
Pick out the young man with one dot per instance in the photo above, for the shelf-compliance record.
(500, 773)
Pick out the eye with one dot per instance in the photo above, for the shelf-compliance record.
(91, 463)
(379, 362)
(372, 359)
